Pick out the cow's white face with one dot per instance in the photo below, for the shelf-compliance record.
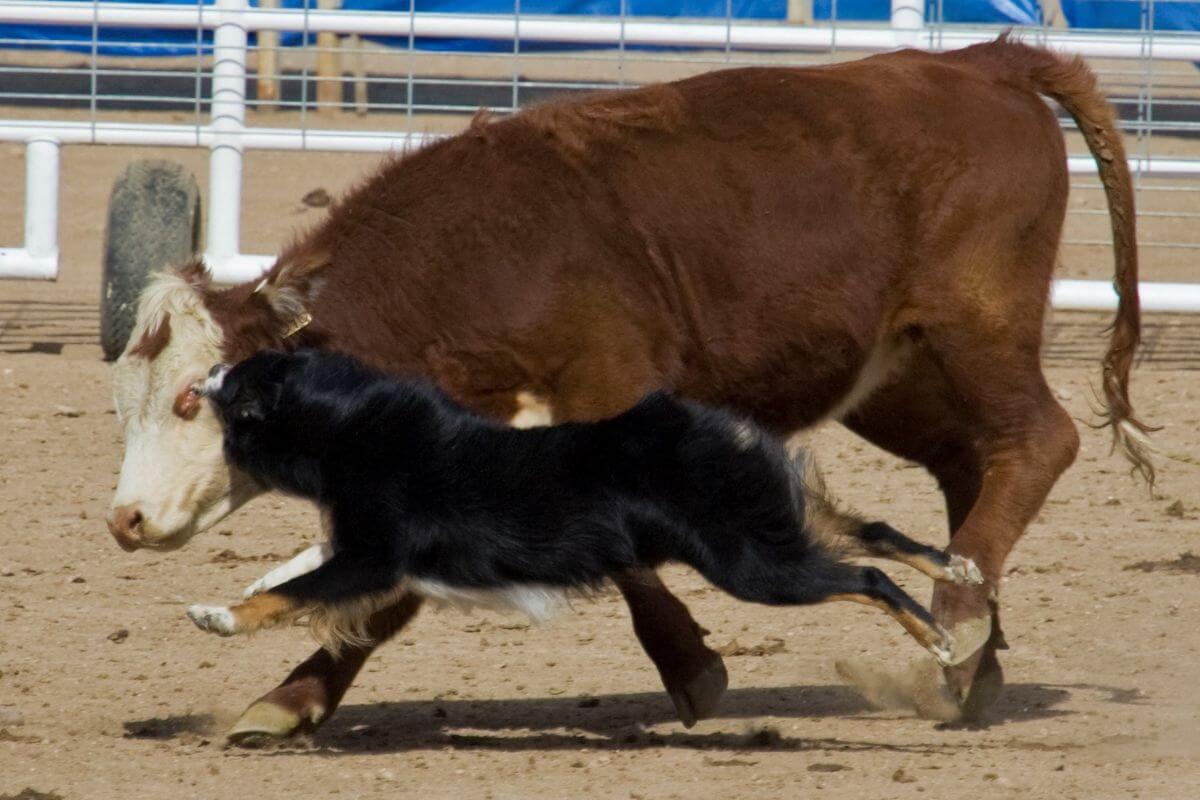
(174, 480)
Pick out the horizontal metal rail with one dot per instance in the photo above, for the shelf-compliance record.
(227, 136)
(597, 31)
(166, 135)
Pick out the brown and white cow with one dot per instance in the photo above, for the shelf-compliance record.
(871, 242)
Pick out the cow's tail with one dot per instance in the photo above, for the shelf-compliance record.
(1070, 82)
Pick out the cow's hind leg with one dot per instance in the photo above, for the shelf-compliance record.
(1025, 441)
(978, 414)
(916, 417)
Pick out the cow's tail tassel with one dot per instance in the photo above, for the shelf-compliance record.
(1070, 82)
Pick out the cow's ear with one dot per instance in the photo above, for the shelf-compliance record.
(194, 272)
(187, 402)
(291, 288)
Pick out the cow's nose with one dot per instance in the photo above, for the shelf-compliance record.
(125, 524)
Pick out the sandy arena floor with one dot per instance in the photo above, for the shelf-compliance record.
(106, 691)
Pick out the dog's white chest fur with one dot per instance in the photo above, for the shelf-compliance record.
(539, 603)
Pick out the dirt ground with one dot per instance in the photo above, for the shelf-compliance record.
(107, 691)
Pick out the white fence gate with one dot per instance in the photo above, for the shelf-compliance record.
(1150, 74)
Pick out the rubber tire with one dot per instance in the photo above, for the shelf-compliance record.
(153, 223)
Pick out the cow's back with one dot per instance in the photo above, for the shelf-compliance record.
(748, 232)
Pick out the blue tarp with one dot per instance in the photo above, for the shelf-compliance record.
(149, 42)
(1017, 12)
(1125, 14)
(738, 9)
(113, 41)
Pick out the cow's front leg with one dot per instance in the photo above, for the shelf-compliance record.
(314, 689)
(693, 674)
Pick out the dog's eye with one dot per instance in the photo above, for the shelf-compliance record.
(248, 412)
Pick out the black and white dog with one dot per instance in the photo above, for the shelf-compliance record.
(422, 496)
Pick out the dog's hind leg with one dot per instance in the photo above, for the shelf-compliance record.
(880, 540)
(848, 534)
(875, 588)
(776, 579)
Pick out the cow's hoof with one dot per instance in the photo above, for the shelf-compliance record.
(266, 721)
(970, 637)
(963, 571)
(986, 683)
(698, 698)
(298, 706)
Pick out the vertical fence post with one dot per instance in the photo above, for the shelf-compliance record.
(329, 65)
(355, 45)
(908, 19)
(268, 63)
(800, 12)
(228, 122)
(41, 201)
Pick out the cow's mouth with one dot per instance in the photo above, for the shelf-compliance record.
(146, 535)
(168, 543)
(150, 537)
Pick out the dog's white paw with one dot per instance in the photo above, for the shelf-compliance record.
(214, 619)
(963, 571)
(943, 650)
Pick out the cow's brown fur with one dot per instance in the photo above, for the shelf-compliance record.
(746, 238)
(153, 341)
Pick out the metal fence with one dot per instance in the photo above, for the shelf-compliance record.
(348, 88)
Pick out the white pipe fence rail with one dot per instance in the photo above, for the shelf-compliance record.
(227, 136)
(907, 29)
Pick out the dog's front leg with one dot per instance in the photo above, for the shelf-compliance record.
(261, 611)
(306, 561)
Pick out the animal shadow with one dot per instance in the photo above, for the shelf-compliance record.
(623, 722)
(172, 728)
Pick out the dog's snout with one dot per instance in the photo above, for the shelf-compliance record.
(125, 525)
(216, 376)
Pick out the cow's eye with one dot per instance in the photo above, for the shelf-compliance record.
(187, 403)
